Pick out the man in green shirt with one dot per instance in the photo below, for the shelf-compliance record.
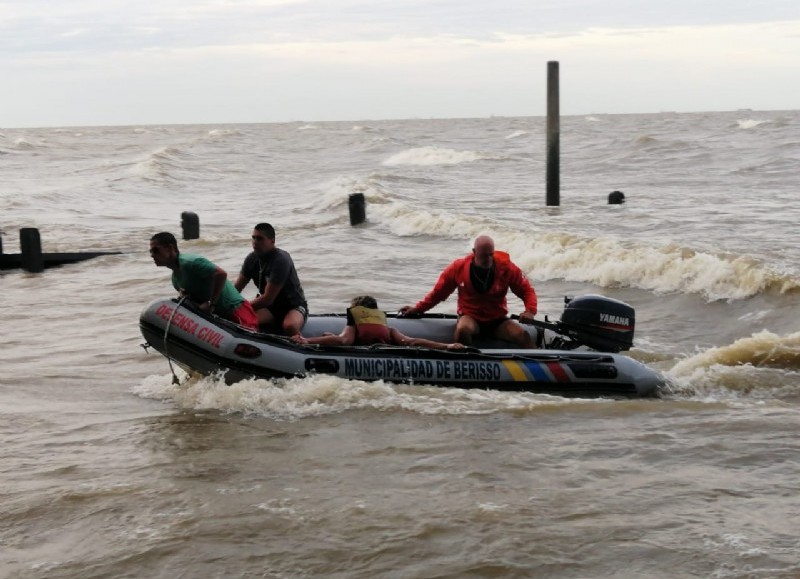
(205, 283)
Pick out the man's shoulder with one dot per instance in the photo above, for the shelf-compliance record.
(250, 259)
(502, 256)
(190, 258)
(281, 254)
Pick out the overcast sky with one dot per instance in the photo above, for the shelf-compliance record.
(122, 62)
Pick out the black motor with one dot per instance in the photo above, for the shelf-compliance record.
(602, 323)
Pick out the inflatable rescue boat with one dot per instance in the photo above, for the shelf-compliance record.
(575, 356)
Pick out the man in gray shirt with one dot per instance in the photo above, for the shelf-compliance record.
(280, 301)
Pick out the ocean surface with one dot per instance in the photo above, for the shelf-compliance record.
(108, 470)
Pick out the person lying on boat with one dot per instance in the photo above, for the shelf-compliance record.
(201, 281)
(366, 325)
(483, 279)
(280, 300)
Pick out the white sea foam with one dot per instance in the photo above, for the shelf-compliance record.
(319, 395)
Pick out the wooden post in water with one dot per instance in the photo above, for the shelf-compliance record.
(357, 206)
(190, 224)
(553, 136)
(30, 245)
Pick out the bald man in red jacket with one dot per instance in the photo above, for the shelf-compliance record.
(483, 279)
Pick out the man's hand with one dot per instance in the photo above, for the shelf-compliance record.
(526, 317)
(407, 311)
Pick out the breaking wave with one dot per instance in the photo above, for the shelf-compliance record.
(612, 262)
(604, 261)
(762, 349)
(161, 165)
(763, 365)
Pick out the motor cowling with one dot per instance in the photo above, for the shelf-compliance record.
(601, 323)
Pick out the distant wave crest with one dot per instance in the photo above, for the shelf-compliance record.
(435, 156)
(221, 133)
(749, 123)
(23, 145)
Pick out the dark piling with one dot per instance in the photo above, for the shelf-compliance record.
(553, 136)
(190, 224)
(357, 205)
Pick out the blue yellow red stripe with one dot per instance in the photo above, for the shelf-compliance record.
(529, 370)
(516, 370)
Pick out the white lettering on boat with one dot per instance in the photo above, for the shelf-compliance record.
(396, 368)
(189, 326)
(618, 320)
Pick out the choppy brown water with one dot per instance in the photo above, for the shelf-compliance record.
(109, 470)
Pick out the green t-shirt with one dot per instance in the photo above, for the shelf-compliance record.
(194, 276)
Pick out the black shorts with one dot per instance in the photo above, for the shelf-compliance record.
(278, 313)
(488, 328)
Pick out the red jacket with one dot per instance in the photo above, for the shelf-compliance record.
(487, 306)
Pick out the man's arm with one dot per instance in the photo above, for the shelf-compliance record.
(445, 285)
(217, 283)
(522, 288)
(270, 293)
(277, 279)
(241, 282)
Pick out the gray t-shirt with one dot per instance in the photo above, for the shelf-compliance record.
(276, 267)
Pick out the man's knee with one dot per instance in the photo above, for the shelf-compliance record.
(525, 340)
(264, 316)
(518, 334)
(463, 336)
(466, 328)
(293, 322)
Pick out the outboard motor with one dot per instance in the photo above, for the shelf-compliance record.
(601, 323)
